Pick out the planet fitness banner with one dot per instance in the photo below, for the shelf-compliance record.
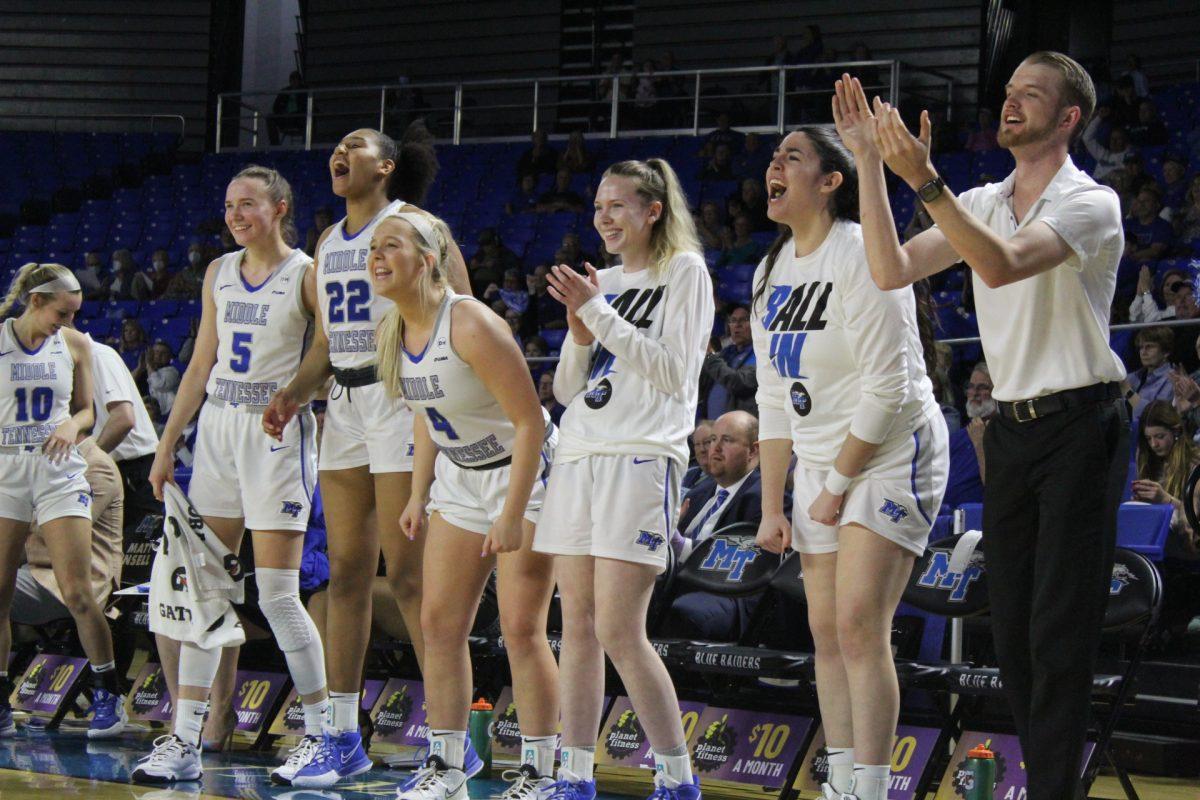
(911, 753)
(1010, 769)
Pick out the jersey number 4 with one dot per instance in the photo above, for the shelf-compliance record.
(40, 403)
(441, 424)
(350, 302)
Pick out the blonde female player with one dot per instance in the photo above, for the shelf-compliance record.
(45, 404)
(842, 384)
(480, 429)
(366, 448)
(256, 310)
(629, 376)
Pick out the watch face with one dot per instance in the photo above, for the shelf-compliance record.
(931, 190)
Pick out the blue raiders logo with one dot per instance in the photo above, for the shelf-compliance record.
(939, 576)
(292, 508)
(893, 510)
(85, 499)
(650, 540)
(730, 558)
(599, 395)
(1121, 577)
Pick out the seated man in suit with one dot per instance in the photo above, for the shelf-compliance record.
(733, 495)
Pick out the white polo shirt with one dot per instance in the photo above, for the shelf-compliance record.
(1050, 332)
(113, 384)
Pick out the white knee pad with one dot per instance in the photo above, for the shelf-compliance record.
(197, 666)
(279, 599)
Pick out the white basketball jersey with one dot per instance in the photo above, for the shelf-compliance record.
(262, 331)
(350, 309)
(35, 387)
(465, 420)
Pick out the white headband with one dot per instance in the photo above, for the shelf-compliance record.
(421, 223)
(66, 282)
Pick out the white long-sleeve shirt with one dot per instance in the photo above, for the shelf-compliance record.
(1145, 309)
(1106, 160)
(634, 390)
(836, 354)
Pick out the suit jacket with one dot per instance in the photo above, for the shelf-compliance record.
(745, 506)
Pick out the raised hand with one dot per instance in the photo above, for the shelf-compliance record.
(905, 154)
(853, 118)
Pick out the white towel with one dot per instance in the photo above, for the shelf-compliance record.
(194, 580)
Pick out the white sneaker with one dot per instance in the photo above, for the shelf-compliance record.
(435, 781)
(830, 793)
(525, 784)
(298, 757)
(171, 760)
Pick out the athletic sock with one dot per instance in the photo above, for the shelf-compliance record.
(345, 711)
(579, 762)
(841, 767)
(538, 752)
(189, 720)
(106, 677)
(449, 746)
(316, 717)
(674, 764)
(871, 781)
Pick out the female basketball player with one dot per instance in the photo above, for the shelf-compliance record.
(366, 449)
(629, 375)
(257, 306)
(842, 384)
(45, 405)
(479, 428)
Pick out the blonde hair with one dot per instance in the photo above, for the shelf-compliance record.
(280, 191)
(388, 334)
(27, 277)
(674, 232)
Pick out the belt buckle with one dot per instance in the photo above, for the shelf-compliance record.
(1029, 407)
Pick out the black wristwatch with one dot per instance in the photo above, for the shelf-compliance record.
(932, 190)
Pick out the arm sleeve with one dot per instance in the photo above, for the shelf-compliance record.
(879, 346)
(109, 384)
(740, 382)
(1098, 151)
(571, 376)
(666, 362)
(1089, 221)
(773, 422)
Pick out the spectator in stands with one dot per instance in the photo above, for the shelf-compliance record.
(512, 292)
(189, 344)
(1148, 129)
(545, 386)
(490, 262)
(513, 318)
(188, 282)
(645, 95)
(156, 417)
(752, 161)
(720, 166)
(723, 134)
(539, 159)
(132, 344)
(162, 377)
(1123, 104)
(1166, 456)
(1175, 185)
(752, 198)
(1137, 78)
(151, 284)
(90, 277)
(701, 442)
(604, 90)
(322, 219)
(728, 378)
(983, 133)
(289, 110)
(561, 196)
(543, 311)
(733, 495)
(1186, 336)
(1188, 222)
(1111, 157)
(576, 158)
(812, 46)
(741, 248)
(536, 347)
(1145, 307)
(1148, 236)
(571, 252)
(714, 234)
(967, 473)
(120, 282)
(524, 198)
(1151, 381)
(37, 598)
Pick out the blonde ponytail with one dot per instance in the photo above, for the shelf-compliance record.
(391, 327)
(674, 232)
(27, 277)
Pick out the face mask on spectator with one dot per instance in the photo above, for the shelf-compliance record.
(116, 265)
(160, 264)
(194, 257)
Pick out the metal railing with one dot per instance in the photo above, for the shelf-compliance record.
(155, 120)
(772, 97)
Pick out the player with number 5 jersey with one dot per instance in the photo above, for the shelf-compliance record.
(256, 313)
(366, 447)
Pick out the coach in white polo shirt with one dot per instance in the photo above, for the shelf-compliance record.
(124, 430)
(1043, 246)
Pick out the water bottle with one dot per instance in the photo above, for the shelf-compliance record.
(481, 733)
(981, 763)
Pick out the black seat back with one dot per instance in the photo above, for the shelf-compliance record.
(1135, 594)
(789, 578)
(937, 590)
(729, 563)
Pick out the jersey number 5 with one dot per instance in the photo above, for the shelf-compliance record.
(241, 352)
(355, 296)
(441, 424)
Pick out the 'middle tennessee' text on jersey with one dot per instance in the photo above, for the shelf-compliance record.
(350, 309)
(35, 388)
(633, 391)
(836, 355)
(262, 331)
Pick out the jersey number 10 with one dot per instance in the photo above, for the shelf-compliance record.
(40, 402)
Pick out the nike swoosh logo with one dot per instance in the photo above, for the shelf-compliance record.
(642, 460)
(224, 286)
(6, 352)
(346, 757)
(72, 476)
(275, 449)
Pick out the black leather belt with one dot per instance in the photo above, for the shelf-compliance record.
(354, 378)
(1047, 404)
